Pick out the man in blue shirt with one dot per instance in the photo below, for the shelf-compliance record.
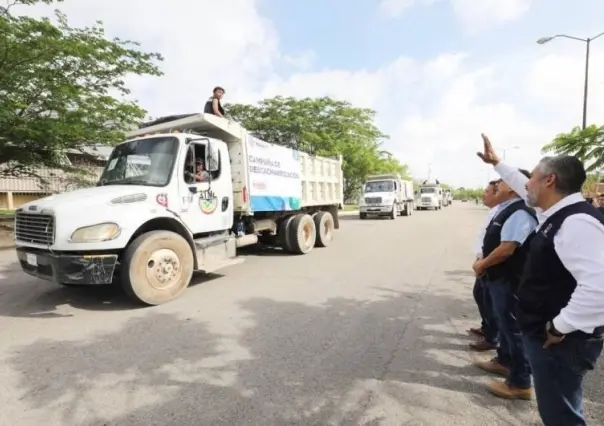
(504, 255)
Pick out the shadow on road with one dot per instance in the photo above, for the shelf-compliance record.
(35, 298)
(293, 363)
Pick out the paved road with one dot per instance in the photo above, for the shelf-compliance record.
(369, 331)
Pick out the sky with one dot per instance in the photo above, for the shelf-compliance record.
(438, 73)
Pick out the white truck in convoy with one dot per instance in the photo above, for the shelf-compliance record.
(386, 195)
(430, 196)
(180, 195)
(447, 198)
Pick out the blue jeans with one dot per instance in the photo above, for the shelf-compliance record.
(558, 373)
(485, 308)
(504, 309)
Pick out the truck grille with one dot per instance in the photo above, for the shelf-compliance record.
(35, 228)
(426, 199)
(373, 200)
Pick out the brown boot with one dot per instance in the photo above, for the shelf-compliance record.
(476, 332)
(493, 366)
(503, 390)
(482, 345)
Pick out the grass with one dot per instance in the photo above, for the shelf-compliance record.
(6, 213)
(350, 207)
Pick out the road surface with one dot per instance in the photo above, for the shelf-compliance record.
(370, 331)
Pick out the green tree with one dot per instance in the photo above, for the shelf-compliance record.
(325, 127)
(588, 145)
(62, 88)
(467, 193)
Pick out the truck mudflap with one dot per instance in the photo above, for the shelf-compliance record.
(63, 268)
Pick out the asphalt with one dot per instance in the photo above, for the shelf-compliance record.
(369, 331)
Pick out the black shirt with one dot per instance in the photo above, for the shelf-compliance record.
(209, 109)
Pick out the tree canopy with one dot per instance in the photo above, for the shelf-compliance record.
(325, 127)
(587, 145)
(467, 193)
(62, 88)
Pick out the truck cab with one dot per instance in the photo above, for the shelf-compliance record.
(447, 198)
(430, 196)
(386, 195)
(177, 197)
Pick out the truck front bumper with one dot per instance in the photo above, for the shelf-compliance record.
(376, 210)
(61, 268)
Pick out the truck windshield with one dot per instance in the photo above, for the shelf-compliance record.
(141, 162)
(379, 186)
(428, 190)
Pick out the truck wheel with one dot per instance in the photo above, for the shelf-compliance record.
(362, 216)
(407, 211)
(157, 267)
(302, 233)
(283, 233)
(394, 212)
(325, 229)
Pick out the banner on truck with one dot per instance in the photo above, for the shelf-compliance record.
(274, 171)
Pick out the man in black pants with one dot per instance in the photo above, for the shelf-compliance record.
(504, 254)
(488, 331)
(561, 294)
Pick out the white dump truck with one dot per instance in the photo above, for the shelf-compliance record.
(180, 195)
(386, 195)
(430, 196)
(447, 198)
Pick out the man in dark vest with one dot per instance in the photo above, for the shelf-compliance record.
(561, 294)
(504, 254)
(488, 332)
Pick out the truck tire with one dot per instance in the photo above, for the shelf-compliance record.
(362, 216)
(302, 233)
(394, 212)
(156, 267)
(407, 210)
(283, 234)
(325, 229)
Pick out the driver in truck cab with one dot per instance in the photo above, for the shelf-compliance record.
(201, 175)
(195, 171)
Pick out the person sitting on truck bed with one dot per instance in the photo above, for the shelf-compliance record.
(213, 105)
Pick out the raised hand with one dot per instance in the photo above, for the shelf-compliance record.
(488, 155)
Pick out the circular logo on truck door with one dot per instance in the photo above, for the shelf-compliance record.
(208, 201)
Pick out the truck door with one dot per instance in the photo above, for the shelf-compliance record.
(207, 196)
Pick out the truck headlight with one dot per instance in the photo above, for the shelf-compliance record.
(96, 233)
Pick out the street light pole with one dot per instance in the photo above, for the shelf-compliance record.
(586, 84)
(587, 42)
(505, 150)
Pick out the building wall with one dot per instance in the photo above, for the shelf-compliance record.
(16, 191)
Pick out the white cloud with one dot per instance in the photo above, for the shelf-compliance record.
(205, 43)
(483, 13)
(434, 110)
(474, 14)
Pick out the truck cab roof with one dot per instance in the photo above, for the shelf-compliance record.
(199, 124)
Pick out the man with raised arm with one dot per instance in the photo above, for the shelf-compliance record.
(561, 294)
